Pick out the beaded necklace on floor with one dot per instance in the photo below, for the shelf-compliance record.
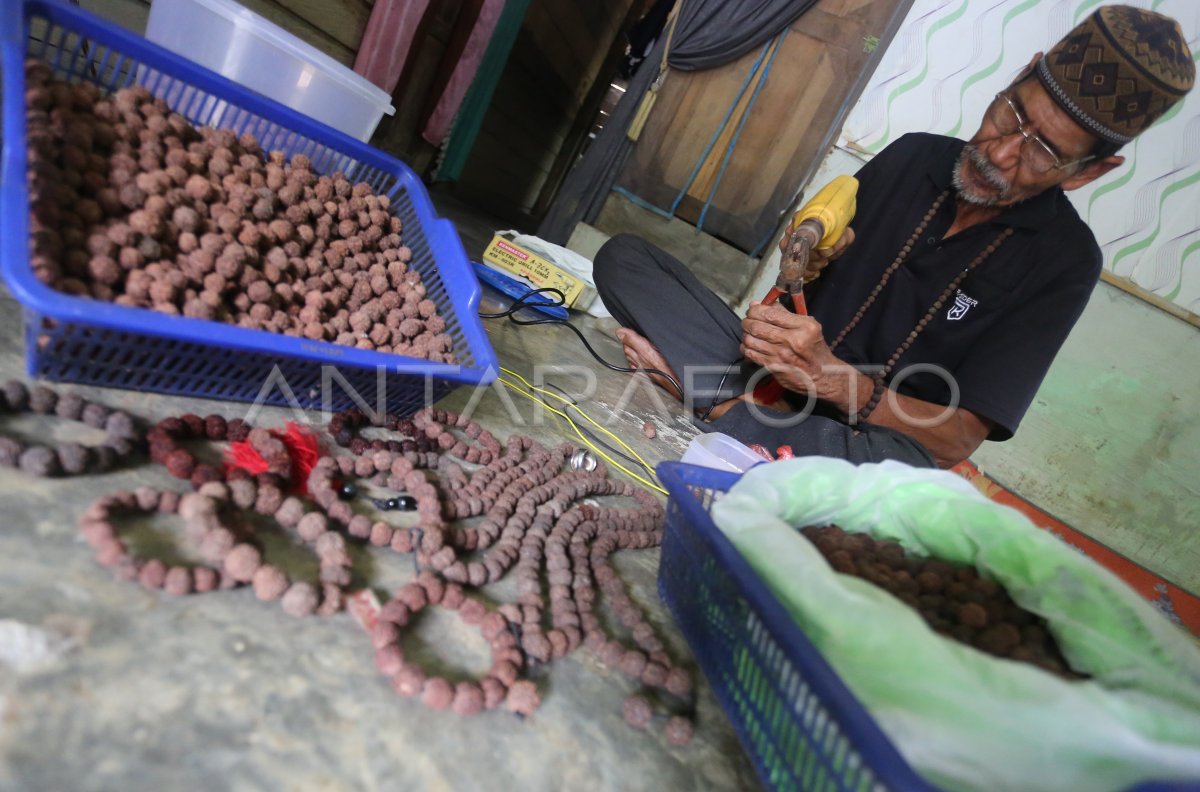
(881, 377)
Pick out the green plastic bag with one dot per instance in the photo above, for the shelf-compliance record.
(964, 719)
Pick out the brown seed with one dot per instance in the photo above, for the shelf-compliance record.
(678, 731)
(437, 693)
(269, 582)
(523, 697)
(637, 711)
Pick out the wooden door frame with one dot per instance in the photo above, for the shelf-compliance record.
(585, 118)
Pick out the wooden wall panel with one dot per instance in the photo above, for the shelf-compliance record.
(817, 72)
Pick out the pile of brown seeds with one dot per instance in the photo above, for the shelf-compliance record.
(130, 203)
(955, 600)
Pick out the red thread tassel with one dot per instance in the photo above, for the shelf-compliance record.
(303, 448)
(245, 456)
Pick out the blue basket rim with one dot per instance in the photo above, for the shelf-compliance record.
(462, 288)
(859, 728)
(874, 747)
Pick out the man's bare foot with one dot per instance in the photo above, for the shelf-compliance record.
(641, 354)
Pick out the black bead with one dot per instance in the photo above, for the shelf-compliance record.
(405, 503)
(347, 491)
(392, 504)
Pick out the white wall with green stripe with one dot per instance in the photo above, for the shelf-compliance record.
(950, 58)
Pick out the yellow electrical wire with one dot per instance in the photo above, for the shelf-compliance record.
(582, 412)
(583, 438)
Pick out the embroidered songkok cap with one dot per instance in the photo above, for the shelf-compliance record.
(1118, 71)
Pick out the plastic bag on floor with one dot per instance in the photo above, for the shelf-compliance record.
(964, 719)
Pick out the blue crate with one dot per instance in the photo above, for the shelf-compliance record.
(800, 724)
(88, 341)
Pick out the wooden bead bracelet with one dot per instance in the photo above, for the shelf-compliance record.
(232, 555)
(66, 459)
(499, 685)
(97, 528)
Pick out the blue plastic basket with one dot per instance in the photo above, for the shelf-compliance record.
(800, 724)
(88, 341)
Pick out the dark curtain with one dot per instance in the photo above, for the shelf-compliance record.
(709, 33)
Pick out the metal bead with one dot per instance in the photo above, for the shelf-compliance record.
(347, 491)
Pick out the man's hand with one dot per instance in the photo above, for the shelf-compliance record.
(819, 258)
(793, 348)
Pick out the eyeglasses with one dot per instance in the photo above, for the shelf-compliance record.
(1035, 152)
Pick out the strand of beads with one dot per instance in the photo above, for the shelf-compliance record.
(499, 685)
(504, 523)
(66, 459)
(345, 426)
(166, 438)
(575, 558)
(270, 582)
(325, 482)
(98, 529)
(436, 426)
(231, 551)
(526, 500)
(524, 497)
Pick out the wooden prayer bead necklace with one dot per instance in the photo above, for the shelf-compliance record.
(526, 499)
(880, 378)
(66, 459)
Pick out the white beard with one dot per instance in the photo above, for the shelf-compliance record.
(987, 171)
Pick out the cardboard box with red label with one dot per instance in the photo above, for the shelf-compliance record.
(511, 258)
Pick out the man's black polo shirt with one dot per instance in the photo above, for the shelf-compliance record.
(998, 335)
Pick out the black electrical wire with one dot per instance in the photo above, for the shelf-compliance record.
(523, 302)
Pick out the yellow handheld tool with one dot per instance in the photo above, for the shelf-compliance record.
(818, 225)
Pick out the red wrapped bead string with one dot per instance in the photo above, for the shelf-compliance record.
(66, 459)
(499, 685)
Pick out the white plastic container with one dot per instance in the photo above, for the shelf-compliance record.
(720, 451)
(239, 44)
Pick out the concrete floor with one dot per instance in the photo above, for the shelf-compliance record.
(105, 686)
